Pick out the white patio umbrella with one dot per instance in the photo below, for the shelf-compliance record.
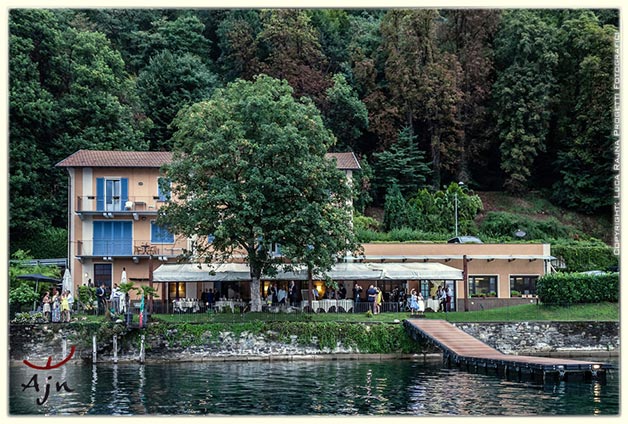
(67, 281)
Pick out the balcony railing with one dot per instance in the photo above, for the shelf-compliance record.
(127, 248)
(144, 204)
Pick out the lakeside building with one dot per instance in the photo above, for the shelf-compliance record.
(114, 198)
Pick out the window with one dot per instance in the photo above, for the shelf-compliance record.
(111, 194)
(524, 284)
(159, 234)
(164, 189)
(113, 238)
(485, 284)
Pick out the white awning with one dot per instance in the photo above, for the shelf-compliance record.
(199, 273)
(340, 271)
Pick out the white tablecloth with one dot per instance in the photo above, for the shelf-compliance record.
(222, 304)
(432, 304)
(326, 304)
(186, 305)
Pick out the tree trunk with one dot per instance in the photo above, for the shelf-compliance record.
(256, 299)
(436, 159)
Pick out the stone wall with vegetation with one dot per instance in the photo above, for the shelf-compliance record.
(207, 341)
(546, 337)
(263, 340)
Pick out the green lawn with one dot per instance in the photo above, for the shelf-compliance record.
(532, 312)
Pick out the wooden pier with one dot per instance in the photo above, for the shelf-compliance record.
(464, 351)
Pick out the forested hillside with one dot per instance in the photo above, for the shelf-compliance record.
(512, 100)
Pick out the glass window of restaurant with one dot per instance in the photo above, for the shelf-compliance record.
(524, 284)
(482, 284)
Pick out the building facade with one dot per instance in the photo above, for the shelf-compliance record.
(113, 201)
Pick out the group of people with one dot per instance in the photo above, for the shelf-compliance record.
(280, 295)
(115, 299)
(443, 294)
(57, 306)
(375, 298)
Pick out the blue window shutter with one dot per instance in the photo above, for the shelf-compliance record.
(100, 194)
(124, 183)
(159, 234)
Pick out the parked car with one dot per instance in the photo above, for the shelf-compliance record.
(464, 239)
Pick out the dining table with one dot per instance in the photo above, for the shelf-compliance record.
(432, 304)
(186, 305)
(220, 305)
(327, 304)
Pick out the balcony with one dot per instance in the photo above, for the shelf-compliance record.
(117, 206)
(136, 249)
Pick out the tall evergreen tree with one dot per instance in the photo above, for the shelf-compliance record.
(402, 164)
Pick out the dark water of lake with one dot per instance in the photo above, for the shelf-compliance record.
(407, 388)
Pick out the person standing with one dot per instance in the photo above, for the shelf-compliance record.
(100, 296)
(414, 304)
(371, 295)
(447, 299)
(357, 293)
(379, 297)
(115, 299)
(56, 306)
(292, 293)
(442, 299)
(46, 306)
(281, 296)
(65, 307)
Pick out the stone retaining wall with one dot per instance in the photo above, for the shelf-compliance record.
(545, 337)
(38, 342)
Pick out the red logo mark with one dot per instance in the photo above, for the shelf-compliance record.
(48, 365)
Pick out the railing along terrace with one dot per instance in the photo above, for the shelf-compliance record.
(126, 247)
(119, 203)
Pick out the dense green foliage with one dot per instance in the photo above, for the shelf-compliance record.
(25, 292)
(569, 288)
(588, 256)
(499, 99)
(432, 212)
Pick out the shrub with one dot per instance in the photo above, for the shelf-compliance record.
(503, 225)
(585, 256)
(568, 288)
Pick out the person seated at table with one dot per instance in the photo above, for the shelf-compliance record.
(342, 292)
(330, 293)
(314, 294)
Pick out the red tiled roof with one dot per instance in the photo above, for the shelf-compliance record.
(344, 160)
(124, 159)
(115, 159)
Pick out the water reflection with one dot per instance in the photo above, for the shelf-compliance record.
(307, 388)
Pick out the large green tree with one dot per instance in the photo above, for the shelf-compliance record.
(526, 58)
(249, 168)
